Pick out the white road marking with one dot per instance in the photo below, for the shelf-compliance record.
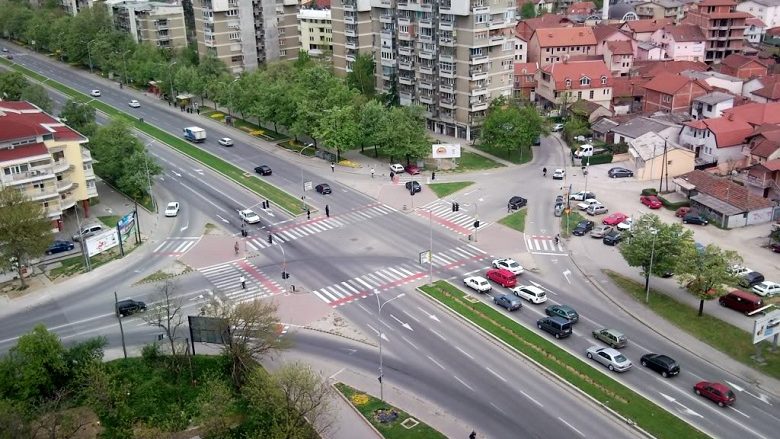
(496, 374)
(436, 362)
(407, 340)
(411, 316)
(439, 335)
(571, 426)
(741, 413)
(404, 324)
(464, 383)
(532, 400)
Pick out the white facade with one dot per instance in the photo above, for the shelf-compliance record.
(521, 50)
(315, 31)
(754, 34)
(703, 143)
(679, 51)
(767, 10)
(708, 108)
(732, 84)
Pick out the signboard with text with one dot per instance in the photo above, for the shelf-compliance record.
(445, 151)
(101, 242)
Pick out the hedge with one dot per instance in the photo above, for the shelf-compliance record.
(600, 159)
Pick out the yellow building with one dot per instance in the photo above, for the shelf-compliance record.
(655, 157)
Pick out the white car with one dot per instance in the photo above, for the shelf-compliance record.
(587, 203)
(248, 216)
(738, 270)
(530, 293)
(767, 288)
(134, 104)
(582, 196)
(558, 174)
(397, 168)
(95, 93)
(626, 224)
(478, 284)
(225, 141)
(172, 209)
(557, 127)
(508, 264)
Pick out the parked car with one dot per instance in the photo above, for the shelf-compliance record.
(478, 284)
(60, 246)
(557, 326)
(412, 169)
(413, 187)
(614, 360)
(516, 202)
(600, 231)
(582, 196)
(741, 301)
(508, 301)
(693, 218)
(559, 199)
(582, 228)
(323, 188)
(563, 311)
(225, 141)
(620, 173)
(767, 288)
(172, 209)
(134, 104)
(614, 219)
(530, 293)
(747, 280)
(508, 264)
(558, 174)
(558, 209)
(651, 201)
(662, 364)
(718, 393)
(505, 278)
(587, 203)
(612, 238)
(612, 337)
(248, 216)
(557, 127)
(263, 170)
(128, 306)
(95, 93)
(681, 212)
(775, 247)
(596, 209)
(625, 224)
(397, 168)
(738, 270)
(88, 231)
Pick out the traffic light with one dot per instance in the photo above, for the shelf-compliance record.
(457, 207)
(476, 224)
(285, 275)
(270, 238)
(453, 206)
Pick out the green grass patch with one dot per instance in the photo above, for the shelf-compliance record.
(156, 276)
(443, 189)
(722, 336)
(470, 161)
(569, 221)
(649, 416)
(367, 405)
(518, 156)
(75, 264)
(515, 220)
(292, 145)
(110, 220)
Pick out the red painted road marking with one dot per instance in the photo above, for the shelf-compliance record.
(385, 286)
(257, 274)
(446, 223)
(463, 261)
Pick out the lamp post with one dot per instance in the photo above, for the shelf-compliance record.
(89, 54)
(284, 261)
(170, 78)
(303, 188)
(379, 306)
(148, 178)
(654, 232)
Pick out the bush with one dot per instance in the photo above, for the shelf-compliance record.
(673, 206)
(649, 191)
(600, 159)
(151, 353)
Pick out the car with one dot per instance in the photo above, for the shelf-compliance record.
(530, 293)
(775, 247)
(95, 93)
(323, 188)
(625, 224)
(558, 209)
(397, 168)
(742, 301)
(5, 49)
(613, 359)
(559, 199)
(172, 209)
(413, 187)
(248, 216)
(9, 56)
(558, 174)
(516, 202)
(612, 238)
(562, 311)
(538, 141)
(127, 307)
(225, 141)
(767, 288)
(412, 169)
(587, 203)
(660, 363)
(738, 270)
(88, 231)
(508, 301)
(600, 231)
(263, 170)
(59, 246)
(582, 196)
(478, 284)
(557, 127)
(505, 278)
(134, 104)
(747, 280)
(557, 326)
(596, 209)
(582, 228)
(694, 218)
(700, 248)
(613, 338)
(614, 219)
(681, 212)
(508, 264)
(718, 393)
(620, 173)
(651, 201)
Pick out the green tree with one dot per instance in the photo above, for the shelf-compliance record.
(80, 117)
(11, 85)
(372, 114)
(275, 100)
(510, 127)
(36, 94)
(528, 10)
(402, 133)
(339, 129)
(361, 78)
(216, 407)
(35, 368)
(25, 233)
(575, 126)
(705, 273)
(316, 90)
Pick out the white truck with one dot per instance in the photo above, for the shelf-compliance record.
(587, 150)
(194, 134)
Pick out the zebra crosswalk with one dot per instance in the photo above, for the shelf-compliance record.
(543, 245)
(176, 246)
(227, 280)
(442, 214)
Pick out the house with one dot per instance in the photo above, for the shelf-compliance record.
(756, 114)
(581, 8)
(742, 66)
(763, 144)
(729, 83)
(660, 9)
(682, 42)
(589, 110)
(672, 93)
(552, 45)
(723, 201)
(627, 94)
(768, 11)
(640, 125)
(763, 90)
(602, 130)
(655, 157)
(619, 57)
(763, 179)
(605, 33)
(543, 6)
(521, 49)
(525, 28)
(568, 81)
(650, 69)
(716, 142)
(525, 81)
(711, 105)
(721, 24)
(649, 51)
(754, 33)
(642, 30)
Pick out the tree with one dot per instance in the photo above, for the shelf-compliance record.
(11, 85)
(361, 78)
(575, 126)
(402, 133)
(25, 233)
(215, 405)
(339, 129)
(705, 273)
(36, 94)
(35, 368)
(528, 10)
(167, 313)
(80, 117)
(510, 127)
(372, 114)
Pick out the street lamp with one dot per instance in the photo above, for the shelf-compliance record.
(89, 54)
(170, 78)
(654, 232)
(303, 188)
(379, 306)
(284, 261)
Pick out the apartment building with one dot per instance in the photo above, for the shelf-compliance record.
(553, 45)
(766, 10)
(659, 9)
(315, 32)
(287, 25)
(155, 23)
(563, 83)
(449, 56)
(45, 159)
(73, 7)
(722, 25)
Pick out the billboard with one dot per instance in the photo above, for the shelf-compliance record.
(102, 242)
(445, 151)
(766, 327)
(126, 225)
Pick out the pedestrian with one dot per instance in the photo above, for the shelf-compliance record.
(267, 204)
(198, 110)
(327, 211)
(433, 175)
(392, 175)
(308, 213)
(372, 172)
(242, 279)
(332, 167)
(473, 435)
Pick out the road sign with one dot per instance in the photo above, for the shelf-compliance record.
(425, 257)
(307, 185)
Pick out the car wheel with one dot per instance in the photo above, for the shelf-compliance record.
(589, 355)
(539, 326)
(557, 336)
(48, 252)
(495, 265)
(696, 391)
(610, 368)
(720, 403)
(664, 374)
(685, 222)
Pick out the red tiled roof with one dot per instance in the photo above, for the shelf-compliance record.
(696, 123)
(726, 190)
(669, 83)
(623, 86)
(19, 120)
(737, 61)
(772, 165)
(650, 69)
(604, 31)
(20, 152)
(525, 28)
(526, 68)
(717, 3)
(565, 36)
(647, 25)
(728, 131)
(764, 148)
(684, 33)
(575, 71)
(755, 113)
(773, 32)
(581, 8)
(620, 47)
(771, 90)
(755, 21)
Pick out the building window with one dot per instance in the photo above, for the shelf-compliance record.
(585, 80)
(568, 83)
(591, 94)
(603, 80)
(666, 99)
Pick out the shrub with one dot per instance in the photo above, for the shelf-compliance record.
(151, 353)
(600, 159)
(649, 191)
(673, 206)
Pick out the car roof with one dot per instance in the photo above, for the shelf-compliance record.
(477, 278)
(614, 332)
(501, 270)
(531, 288)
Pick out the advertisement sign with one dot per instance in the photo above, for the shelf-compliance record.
(766, 327)
(101, 242)
(126, 225)
(445, 151)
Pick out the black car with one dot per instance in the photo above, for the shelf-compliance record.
(263, 170)
(516, 202)
(662, 364)
(562, 311)
(612, 238)
(59, 246)
(323, 188)
(508, 301)
(620, 173)
(413, 187)
(583, 227)
(128, 306)
(694, 218)
(747, 280)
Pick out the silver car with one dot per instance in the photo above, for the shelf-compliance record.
(600, 231)
(614, 360)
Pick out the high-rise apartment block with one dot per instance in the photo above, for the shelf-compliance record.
(722, 25)
(315, 32)
(45, 159)
(449, 56)
(156, 23)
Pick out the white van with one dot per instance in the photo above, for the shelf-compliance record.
(530, 293)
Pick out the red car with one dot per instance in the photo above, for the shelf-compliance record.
(715, 392)
(681, 212)
(651, 201)
(503, 277)
(615, 219)
(412, 169)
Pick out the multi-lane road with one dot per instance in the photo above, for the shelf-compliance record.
(368, 246)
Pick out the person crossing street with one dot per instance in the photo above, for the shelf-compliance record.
(242, 279)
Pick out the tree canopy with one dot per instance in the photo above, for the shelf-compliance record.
(25, 232)
(704, 273)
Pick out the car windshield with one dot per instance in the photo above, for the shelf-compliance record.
(512, 264)
(620, 358)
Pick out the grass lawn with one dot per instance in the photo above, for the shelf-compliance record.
(443, 189)
(569, 222)
(110, 220)
(515, 157)
(367, 405)
(515, 220)
(723, 336)
(649, 416)
(470, 161)
(292, 145)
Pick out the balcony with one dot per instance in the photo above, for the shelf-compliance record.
(350, 5)
(65, 185)
(388, 62)
(426, 23)
(385, 33)
(478, 75)
(426, 69)
(446, 58)
(497, 40)
(350, 45)
(426, 99)
(445, 7)
(447, 116)
(425, 38)
(353, 34)
(497, 23)
(478, 59)
(425, 85)
(447, 103)
(426, 4)
(405, 36)
(446, 25)
(349, 19)
(427, 55)
(350, 57)
(384, 18)
(478, 91)
(479, 106)
(757, 182)
(406, 80)
(447, 42)
(405, 65)
(38, 195)
(404, 21)
(447, 73)
(447, 88)
(406, 50)
(61, 166)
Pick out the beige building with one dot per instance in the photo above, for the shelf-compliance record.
(449, 56)
(155, 23)
(655, 157)
(315, 32)
(73, 7)
(45, 159)
(565, 82)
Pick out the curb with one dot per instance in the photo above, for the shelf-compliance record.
(349, 403)
(323, 331)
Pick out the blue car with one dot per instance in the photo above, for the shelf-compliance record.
(59, 247)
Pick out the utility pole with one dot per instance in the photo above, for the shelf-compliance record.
(121, 329)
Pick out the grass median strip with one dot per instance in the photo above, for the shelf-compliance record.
(443, 189)
(646, 414)
(515, 220)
